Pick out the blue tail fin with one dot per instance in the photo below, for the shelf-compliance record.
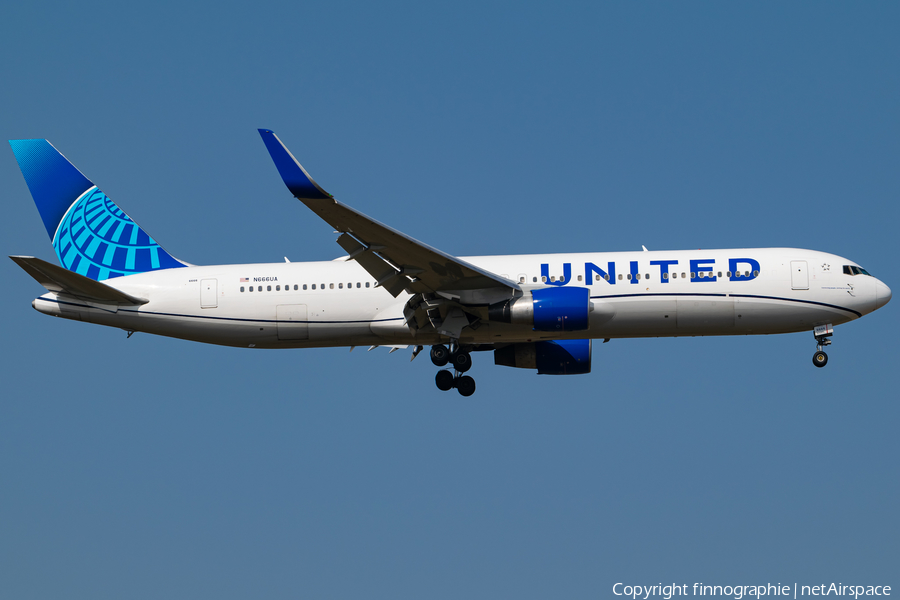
(91, 235)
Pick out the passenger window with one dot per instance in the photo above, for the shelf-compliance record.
(665, 275)
(693, 275)
(358, 284)
(304, 286)
(606, 277)
(251, 288)
(330, 286)
(242, 288)
(746, 273)
(683, 275)
(620, 277)
(720, 273)
(295, 286)
(553, 278)
(521, 280)
(728, 273)
(277, 288)
(367, 284)
(579, 278)
(646, 275)
(534, 279)
(268, 288)
(340, 286)
(543, 279)
(349, 285)
(638, 276)
(756, 273)
(313, 286)
(259, 288)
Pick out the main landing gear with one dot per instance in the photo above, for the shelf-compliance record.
(461, 361)
(822, 334)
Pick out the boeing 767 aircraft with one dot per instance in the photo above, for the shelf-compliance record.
(537, 311)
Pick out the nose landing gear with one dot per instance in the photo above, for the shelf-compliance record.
(820, 359)
(461, 361)
(822, 334)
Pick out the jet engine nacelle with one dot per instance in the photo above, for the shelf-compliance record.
(559, 357)
(548, 309)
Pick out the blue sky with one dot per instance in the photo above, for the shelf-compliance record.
(148, 467)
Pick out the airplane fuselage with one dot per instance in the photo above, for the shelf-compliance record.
(537, 311)
(633, 294)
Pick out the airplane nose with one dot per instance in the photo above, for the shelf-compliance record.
(882, 294)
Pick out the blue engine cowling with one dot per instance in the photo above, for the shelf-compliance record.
(561, 309)
(560, 357)
(550, 309)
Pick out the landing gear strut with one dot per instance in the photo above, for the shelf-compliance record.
(461, 361)
(822, 334)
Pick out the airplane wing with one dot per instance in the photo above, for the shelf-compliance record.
(395, 260)
(57, 279)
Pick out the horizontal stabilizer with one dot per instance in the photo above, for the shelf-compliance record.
(57, 279)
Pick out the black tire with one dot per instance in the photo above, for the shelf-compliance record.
(462, 361)
(444, 380)
(465, 385)
(440, 355)
(820, 359)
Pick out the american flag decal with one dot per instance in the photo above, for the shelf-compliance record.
(244, 280)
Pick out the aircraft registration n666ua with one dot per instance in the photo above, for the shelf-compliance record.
(536, 311)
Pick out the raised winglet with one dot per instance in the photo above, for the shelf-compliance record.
(292, 172)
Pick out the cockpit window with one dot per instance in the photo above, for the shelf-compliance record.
(851, 270)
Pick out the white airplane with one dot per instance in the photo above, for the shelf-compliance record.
(537, 311)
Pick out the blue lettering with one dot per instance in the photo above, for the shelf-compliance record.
(663, 268)
(634, 271)
(736, 275)
(700, 265)
(591, 268)
(566, 278)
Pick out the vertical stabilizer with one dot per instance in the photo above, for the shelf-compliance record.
(91, 235)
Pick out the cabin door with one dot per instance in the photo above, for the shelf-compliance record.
(799, 275)
(209, 294)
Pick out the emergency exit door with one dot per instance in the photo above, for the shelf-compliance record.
(799, 275)
(209, 294)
